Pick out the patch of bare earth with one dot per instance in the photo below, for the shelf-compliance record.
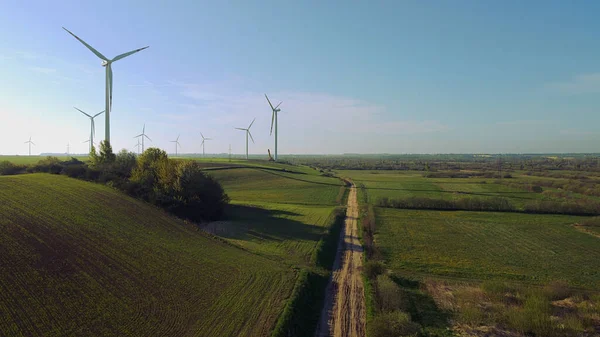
(584, 229)
(344, 312)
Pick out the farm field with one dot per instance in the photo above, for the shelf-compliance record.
(277, 214)
(25, 160)
(402, 184)
(484, 245)
(79, 258)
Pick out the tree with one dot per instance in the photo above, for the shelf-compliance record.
(106, 153)
(94, 159)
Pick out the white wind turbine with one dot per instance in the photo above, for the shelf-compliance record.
(93, 128)
(176, 141)
(109, 78)
(142, 135)
(203, 140)
(248, 134)
(274, 119)
(29, 142)
(138, 146)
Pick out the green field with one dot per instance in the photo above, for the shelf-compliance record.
(26, 160)
(402, 184)
(278, 214)
(81, 259)
(485, 245)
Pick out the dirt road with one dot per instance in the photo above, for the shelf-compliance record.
(344, 312)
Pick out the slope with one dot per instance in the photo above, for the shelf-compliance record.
(82, 259)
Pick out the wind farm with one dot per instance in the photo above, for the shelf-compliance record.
(433, 182)
(247, 131)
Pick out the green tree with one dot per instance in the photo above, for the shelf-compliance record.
(106, 153)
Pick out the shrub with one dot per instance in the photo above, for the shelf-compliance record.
(8, 168)
(372, 269)
(389, 295)
(394, 323)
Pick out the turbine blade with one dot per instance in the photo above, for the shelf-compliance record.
(269, 102)
(148, 138)
(140, 135)
(272, 121)
(202, 135)
(83, 112)
(251, 136)
(249, 126)
(278, 105)
(144, 129)
(242, 129)
(177, 140)
(202, 142)
(97, 53)
(98, 114)
(33, 143)
(118, 57)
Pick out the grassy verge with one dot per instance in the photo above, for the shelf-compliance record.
(301, 314)
(326, 250)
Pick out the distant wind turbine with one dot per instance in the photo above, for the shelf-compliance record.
(93, 127)
(274, 121)
(176, 141)
(248, 134)
(138, 146)
(109, 78)
(68, 148)
(142, 135)
(29, 142)
(203, 140)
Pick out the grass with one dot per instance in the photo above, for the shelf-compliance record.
(485, 245)
(258, 185)
(79, 258)
(25, 160)
(395, 184)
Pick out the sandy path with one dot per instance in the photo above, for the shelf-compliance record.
(344, 310)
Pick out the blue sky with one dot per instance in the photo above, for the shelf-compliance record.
(395, 76)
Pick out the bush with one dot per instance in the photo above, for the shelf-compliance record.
(372, 269)
(178, 186)
(8, 168)
(389, 295)
(48, 165)
(394, 323)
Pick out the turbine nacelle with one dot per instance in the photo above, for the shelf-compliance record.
(104, 63)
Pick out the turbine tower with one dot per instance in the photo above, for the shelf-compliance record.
(138, 146)
(176, 141)
(142, 135)
(248, 134)
(203, 140)
(29, 142)
(93, 129)
(68, 148)
(109, 78)
(274, 119)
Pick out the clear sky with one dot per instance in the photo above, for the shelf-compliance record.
(361, 77)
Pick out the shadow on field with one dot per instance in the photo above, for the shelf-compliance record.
(422, 307)
(302, 180)
(248, 223)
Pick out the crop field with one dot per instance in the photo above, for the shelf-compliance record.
(486, 245)
(82, 259)
(25, 160)
(278, 214)
(399, 184)
(257, 185)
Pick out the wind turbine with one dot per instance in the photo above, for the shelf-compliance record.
(109, 78)
(248, 133)
(138, 146)
(142, 135)
(93, 129)
(68, 148)
(274, 119)
(29, 142)
(203, 140)
(176, 141)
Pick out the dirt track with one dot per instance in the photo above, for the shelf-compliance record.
(344, 313)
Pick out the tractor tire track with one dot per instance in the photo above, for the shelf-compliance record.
(344, 312)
